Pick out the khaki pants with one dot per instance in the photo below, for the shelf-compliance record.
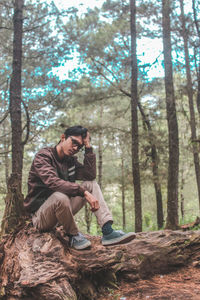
(59, 208)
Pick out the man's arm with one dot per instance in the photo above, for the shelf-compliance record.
(87, 170)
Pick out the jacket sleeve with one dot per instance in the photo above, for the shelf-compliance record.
(87, 170)
(48, 175)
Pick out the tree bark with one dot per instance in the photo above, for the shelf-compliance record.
(134, 122)
(173, 166)
(37, 265)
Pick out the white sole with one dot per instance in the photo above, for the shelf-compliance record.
(82, 247)
(120, 240)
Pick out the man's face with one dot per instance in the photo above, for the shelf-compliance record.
(71, 145)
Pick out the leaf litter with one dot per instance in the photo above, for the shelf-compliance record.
(183, 284)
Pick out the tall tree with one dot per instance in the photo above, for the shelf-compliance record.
(190, 99)
(14, 197)
(173, 165)
(155, 169)
(100, 147)
(196, 22)
(134, 121)
(123, 193)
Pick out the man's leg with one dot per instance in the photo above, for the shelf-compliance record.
(56, 209)
(103, 214)
(104, 218)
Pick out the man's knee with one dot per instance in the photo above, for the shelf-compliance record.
(61, 200)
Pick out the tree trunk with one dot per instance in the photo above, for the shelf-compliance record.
(154, 157)
(134, 122)
(14, 199)
(157, 186)
(182, 196)
(88, 217)
(198, 89)
(37, 265)
(100, 160)
(198, 69)
(100, 149)
(156, 178)
(173, 166)
(123, 193)
(6, 139)
(15, 90)
(190, 99)
(6, 158)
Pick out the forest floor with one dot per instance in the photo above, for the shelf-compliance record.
(183, 284)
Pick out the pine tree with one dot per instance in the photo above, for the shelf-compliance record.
(173, 167)
(14, 198)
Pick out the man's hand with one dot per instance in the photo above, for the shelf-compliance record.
(86, 141)
(94, 203)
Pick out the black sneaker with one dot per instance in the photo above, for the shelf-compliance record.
(79, 242)
(117, 237)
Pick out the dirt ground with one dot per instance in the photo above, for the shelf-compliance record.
(180, 285)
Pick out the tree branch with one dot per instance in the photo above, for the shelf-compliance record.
(7, 28)
(27, 124)
(5, 116)
(195, 18)
(3, 153)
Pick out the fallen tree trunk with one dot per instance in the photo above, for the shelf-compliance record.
(41, 266)
(189, 226)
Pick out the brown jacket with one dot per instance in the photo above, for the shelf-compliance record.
(49, 174)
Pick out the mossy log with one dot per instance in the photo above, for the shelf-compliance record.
(37, 265)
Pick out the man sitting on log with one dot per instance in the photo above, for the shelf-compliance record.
(54, 197)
